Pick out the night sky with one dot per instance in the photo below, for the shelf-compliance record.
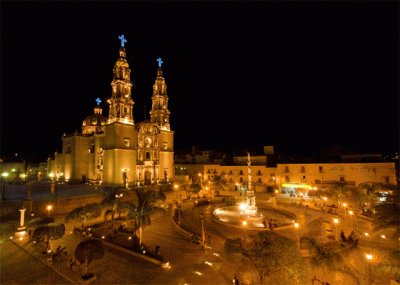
(299, 76)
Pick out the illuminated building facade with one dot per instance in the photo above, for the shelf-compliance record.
(115, 150)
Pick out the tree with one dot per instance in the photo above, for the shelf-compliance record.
(48, 232)
(276, 258)
(387, 215)
(110, 202)
(34, 223)
(371, 192)
(87, 251)
(338, 188)
(329, 257)
(144, 203)
(84, 213)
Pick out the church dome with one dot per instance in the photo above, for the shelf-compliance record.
(94, 123)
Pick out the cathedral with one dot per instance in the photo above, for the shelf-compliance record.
(114, 149)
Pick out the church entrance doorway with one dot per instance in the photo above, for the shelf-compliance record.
(147, 177)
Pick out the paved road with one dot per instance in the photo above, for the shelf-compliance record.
(19, 267)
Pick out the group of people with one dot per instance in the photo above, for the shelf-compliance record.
(271, 224)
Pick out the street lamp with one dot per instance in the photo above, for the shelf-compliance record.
(244, 223)
(296, 227)
(3, 192)
(369, 258)
(351, 213)
(49, 208)
(336, 222)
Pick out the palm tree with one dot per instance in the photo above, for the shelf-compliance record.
(110, 202)
(329, 257)
(338, 188)
(388, 216)
(145, 205)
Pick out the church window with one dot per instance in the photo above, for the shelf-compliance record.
(341, 178)
(302, 169)
(147, 142)
(241, 172)
(259, 180)
(286, 169)
(241, 179)
(127, 142)
(321, 169)
(259, 172)
(91, 150)
(147, 155)
(287, 178)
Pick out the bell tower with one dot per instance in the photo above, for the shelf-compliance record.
(121, 103)
(159, 113)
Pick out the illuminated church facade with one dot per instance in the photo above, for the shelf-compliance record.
(114, 149)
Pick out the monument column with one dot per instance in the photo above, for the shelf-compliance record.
(21, 229)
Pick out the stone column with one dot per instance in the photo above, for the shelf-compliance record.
(22, 218)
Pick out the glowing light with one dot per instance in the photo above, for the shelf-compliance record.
(49, 251)
(4, 174)
(49, 207)
(383, 236)
(11, 237)
(98, 101)
(130, 238)
(160, 62)
(296, 225)
(216, 254)
(176, 186)
(70, 232)
(144, 251)
(344, 204)
(123, 40)
(51, 174)
(296, 185)
(366, 234)
(276, 191)
(336, 220)
(324, 198)
(208, 263)
(199, 174)
(20, 238)
(244, 223)
(243, 207)
(369, 256)
(198, 273)
(103, 237)
(351, 212)
(13, 170)
(166, 265)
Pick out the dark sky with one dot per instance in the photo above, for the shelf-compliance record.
(296, 75)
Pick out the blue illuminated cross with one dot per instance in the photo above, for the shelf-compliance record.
(160, 62)
(123, 40)
(98, 101)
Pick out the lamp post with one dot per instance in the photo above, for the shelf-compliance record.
(369, 258)
(244, 223)
(336, 222)
(351, 213)
(203, 232)
(49, 208)
(3, 184)
(296, 227)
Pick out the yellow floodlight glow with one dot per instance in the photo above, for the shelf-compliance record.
(297, 185)
(369, 256)
(243, 206)
(244, 223)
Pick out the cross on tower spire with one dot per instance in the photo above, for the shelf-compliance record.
(160, 62)
(123, 40)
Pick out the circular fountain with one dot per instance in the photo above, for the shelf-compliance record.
(247, 214)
